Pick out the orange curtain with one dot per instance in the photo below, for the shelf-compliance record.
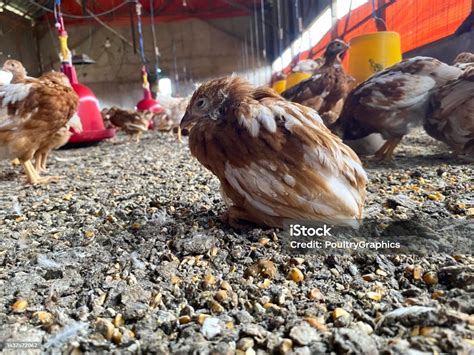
(418, 22)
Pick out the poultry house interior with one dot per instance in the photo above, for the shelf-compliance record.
(237, 176)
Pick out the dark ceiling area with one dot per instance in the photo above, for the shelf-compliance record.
(278, 20)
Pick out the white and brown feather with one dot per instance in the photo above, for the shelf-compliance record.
(451, 116)
(393, 101)
(328, 86)
(32, 112)
(275, 160)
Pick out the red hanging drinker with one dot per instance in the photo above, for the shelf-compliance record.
(93, 129)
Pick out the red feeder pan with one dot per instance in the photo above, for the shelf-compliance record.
(148, 104)
(93, 129)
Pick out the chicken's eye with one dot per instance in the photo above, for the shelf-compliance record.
(201, 103)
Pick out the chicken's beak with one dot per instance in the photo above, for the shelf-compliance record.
(187, 122)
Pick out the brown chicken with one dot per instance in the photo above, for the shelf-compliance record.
(133, 123)
(59, 139)
(32, 111)
(326, 90)
(275, 160)
(451, 116)
(392, 101)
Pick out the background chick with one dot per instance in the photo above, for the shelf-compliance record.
(131, 122)
(105, 113)
(275, 160)
(393, 101)
(326, 90)
(451, 115)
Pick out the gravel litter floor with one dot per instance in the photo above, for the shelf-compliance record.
(127, 254)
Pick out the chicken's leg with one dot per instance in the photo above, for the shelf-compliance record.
(16, 162)
(44, 159)
(386, 151)
(40, 163)
(33, 177)
(392, 147)
(180, 140)
(138, 136)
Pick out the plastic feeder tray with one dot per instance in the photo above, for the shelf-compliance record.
(93, 129)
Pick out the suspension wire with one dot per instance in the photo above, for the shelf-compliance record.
(347, 20)
(297, 28)
(257, 40)
(246, 53)
(264, 39)
(299, 18)
(175, 67)
(374, 15)
(299, 25)
(264, 35)
(153, 33)
(33, 2)
(252, 48)
(140, 34)
(280, 30)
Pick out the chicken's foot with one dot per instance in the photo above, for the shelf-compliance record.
(33, 177)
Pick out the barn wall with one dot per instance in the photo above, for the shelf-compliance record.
(203, 49)
(18, 41)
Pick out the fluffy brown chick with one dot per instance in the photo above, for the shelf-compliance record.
(327, 88)
(451, 115)
(31, 113)
(275, 160)
(131, 122)
(393, 101)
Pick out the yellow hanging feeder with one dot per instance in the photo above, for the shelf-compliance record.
(279, 86)
(373, 52)
(295, 78)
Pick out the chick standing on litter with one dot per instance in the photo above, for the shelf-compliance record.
(133, 123)
(393, 101)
